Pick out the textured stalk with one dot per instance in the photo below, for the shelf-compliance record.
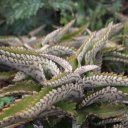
(105, 79)
(51, 98)
(108, 94)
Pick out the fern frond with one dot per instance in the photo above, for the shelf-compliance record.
(67, 78)
(63, 63)
(105, 79)
(28, 60)
(56, 35)
(63, 79)
(31, 68)
(98, 45)
(60, 51)
(49, 99)
(109, 94)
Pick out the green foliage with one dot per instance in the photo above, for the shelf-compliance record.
(67, 106)
(75, 95)
(116, 5)
(5, 101)
(79, 96)
(21, 16)
(19, 9)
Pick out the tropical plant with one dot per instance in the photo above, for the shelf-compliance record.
(65, 78)
(18, 17)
